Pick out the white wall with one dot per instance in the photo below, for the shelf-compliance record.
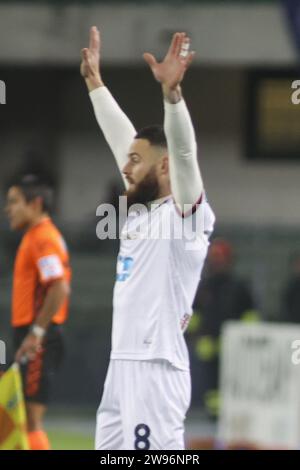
(231, 33)
(249, 193)
(241, 191)
(88, 168)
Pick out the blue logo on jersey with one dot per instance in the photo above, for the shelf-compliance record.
(124, 267)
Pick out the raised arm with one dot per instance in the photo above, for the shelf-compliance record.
(185, 176)
(115, 125)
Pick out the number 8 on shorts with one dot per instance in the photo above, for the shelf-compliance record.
(142, 432)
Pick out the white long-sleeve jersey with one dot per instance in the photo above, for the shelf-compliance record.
(161, 253)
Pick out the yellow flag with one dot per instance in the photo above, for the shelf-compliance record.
(13, 434)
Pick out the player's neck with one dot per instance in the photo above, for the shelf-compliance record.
(160, 199)
(37, 220)
(164, 192)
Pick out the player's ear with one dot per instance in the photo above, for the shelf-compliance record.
(164, 165)
(38, 204)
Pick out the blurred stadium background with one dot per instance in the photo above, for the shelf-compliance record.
(239, 93)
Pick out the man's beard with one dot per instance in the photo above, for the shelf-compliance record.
(145, 191)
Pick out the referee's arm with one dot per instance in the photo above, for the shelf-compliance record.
(57, 293)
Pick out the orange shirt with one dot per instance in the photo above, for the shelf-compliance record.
(42, 257)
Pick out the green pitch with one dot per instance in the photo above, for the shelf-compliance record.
(63, 440)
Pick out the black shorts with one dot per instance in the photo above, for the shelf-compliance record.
(38, 374)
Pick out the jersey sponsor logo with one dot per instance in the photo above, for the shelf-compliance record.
(50, 267)
(147, 341)
(124, 267)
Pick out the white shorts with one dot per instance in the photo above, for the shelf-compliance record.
(143, 406)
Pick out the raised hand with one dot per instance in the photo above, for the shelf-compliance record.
(171, 70)
(90, 65)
